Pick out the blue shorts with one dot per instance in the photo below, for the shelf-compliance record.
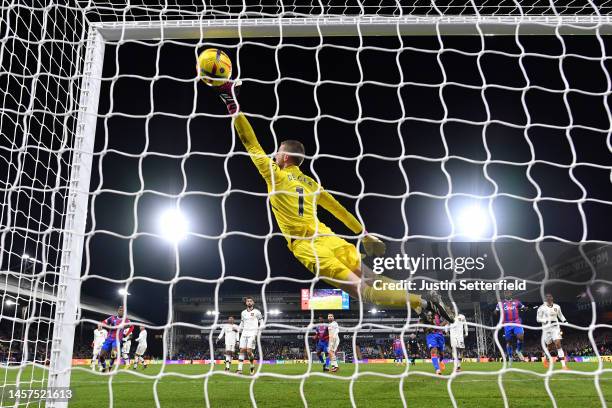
(435, 340)
(110, 344)
(322, 346)
(510, 331)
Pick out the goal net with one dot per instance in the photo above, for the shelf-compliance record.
(449, 129)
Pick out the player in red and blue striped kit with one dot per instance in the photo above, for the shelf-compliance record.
(115, 335)
(398, 350)
(321, 338)
(435, 339)
(512, 324)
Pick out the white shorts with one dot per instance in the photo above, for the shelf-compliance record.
(140, 350)
(248, 341)
(457, 343)
(333, 344)
(551, 334)
(96, 351)
(230, 346)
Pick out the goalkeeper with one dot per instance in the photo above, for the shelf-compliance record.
(294, 197)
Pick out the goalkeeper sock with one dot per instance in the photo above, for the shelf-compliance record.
(561, 355)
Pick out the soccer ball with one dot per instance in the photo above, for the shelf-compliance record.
(212, 64)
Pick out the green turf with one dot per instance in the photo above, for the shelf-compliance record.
(479, 390)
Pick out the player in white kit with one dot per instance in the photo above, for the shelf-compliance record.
(334, 341)
(458, 333)
(230, 331)
(549, 314)
(250, 320)
(126, 346)
(100, 334)
(141, 348)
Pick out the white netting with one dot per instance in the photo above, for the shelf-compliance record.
(40, 58)
(398, 126)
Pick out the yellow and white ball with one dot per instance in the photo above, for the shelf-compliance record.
(214, 67)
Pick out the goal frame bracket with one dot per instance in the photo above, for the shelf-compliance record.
(73, 230)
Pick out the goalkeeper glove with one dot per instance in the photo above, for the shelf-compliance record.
(228, 92)
(373, 246)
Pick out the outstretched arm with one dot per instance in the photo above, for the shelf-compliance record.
(327, 201)
(266, 167)
(371, 244)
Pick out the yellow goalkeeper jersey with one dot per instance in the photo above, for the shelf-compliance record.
(294, 196)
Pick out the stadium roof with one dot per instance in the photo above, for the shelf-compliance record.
(29, 289)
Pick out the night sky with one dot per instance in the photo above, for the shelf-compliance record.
(160, 134)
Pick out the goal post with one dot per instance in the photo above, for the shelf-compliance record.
(68, 288)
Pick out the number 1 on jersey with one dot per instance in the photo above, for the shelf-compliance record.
(300, 191)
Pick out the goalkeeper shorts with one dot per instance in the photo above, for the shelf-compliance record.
(330, 256)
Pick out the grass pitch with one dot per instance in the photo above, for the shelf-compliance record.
(279, 386)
